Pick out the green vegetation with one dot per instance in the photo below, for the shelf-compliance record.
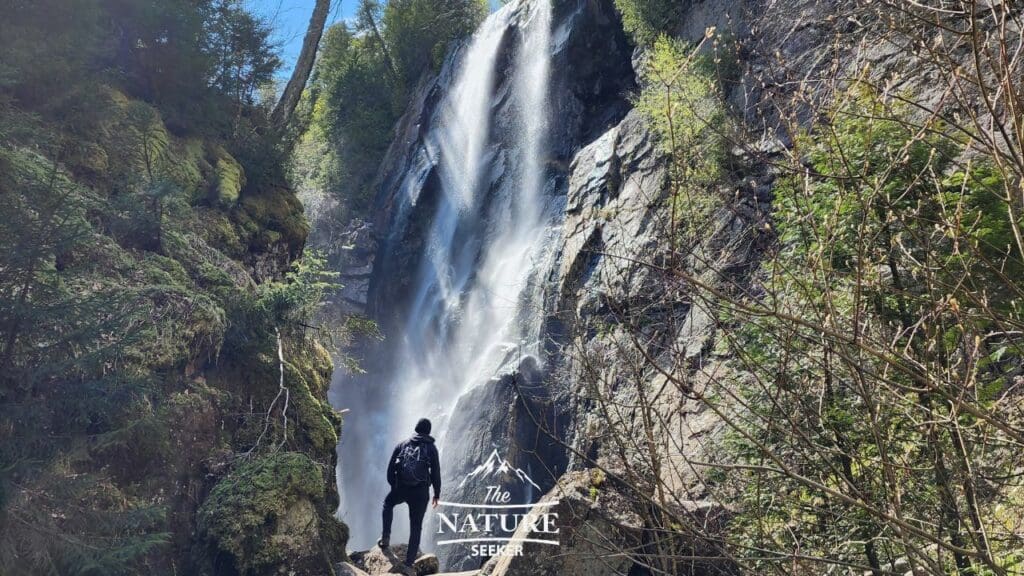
(645, 20)
(876, 403)
(269, 499)
(682, 104)
(157, 327)
(867, 374)
(363, 82)
(110, 294)
(419, 32)
(144, 247)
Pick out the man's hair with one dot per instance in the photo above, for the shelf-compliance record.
(423, 426)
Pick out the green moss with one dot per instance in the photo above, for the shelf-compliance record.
(597, 480)
(333, 533)
(267, 239)
(315, 419)
(209, 270)
(218, 229)
(90, 157)
(188, 167)
(240, 516)
(321, 367)
(159, 269)
(275, 210)
(230, 178)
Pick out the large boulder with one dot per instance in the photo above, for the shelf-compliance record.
(602, 529)
(593, 532)
(516, 431)
(269, 516)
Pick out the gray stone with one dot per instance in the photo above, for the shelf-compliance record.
(600, 532)
(347, 569)
(378, 561)
(392, 561)
(427, 564)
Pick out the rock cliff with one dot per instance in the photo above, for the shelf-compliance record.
(590, 404)
(196, 414)
(608, 182)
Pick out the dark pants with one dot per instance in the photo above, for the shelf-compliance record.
(417, 498)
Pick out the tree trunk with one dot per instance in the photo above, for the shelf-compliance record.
(300, 75)
(366, 15)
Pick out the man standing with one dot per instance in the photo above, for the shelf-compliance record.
(413, 468)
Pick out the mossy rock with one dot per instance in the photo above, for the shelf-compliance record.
(315, 420)
(90, 158)
(272, 215)
(173, 303)
(192, 419)
(316, 364)
(163, 271)
(334, 534)
(229, 175)
(218, 229)
(189, 168)
(264, 518)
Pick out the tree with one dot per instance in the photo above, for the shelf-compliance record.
(419, 32)
(303, 67)
(242, 58)
(367, 18)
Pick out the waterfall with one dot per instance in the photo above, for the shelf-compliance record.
(490, 328)
(472, 310)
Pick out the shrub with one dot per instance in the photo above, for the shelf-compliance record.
(645, 20)
(681, 102)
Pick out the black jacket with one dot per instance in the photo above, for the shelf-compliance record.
(426, 442)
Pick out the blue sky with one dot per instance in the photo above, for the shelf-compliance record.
(289, 19)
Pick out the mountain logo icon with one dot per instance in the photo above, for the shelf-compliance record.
(496, 466)
(491, 527)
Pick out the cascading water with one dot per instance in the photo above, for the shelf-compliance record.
(471, 309)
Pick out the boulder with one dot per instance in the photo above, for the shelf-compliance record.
(348, 569)
(427, 564)
(516, 432)
(600, 531)
(268, 514)
(592, 531)
(376, 561)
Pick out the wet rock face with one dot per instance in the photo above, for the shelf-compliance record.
(612, 290)
(592, 74)
(617, 189)
(591, 79)
(506, 419)
(356, 265)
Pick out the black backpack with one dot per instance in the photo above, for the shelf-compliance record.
(413, 465)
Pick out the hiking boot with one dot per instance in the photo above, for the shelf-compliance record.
(384, 542)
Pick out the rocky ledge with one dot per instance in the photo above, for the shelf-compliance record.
(388, 561)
